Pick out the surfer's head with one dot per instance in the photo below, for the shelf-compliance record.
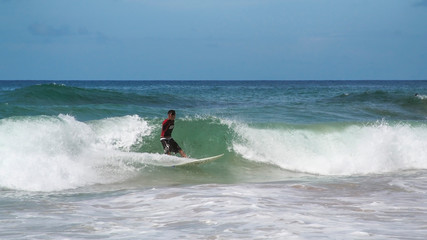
(171, 114)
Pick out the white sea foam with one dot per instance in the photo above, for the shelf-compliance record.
(54, 153)
(356, 149)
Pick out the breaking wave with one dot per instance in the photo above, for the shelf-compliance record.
(51, 153)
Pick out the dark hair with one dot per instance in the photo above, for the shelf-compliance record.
(171, 112)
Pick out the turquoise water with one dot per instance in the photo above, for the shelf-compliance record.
(303, 160)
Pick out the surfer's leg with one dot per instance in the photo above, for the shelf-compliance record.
(166, 146)
(182, 153)
(176, 148)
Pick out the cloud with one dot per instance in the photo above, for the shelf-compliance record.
(101, 37)
(45, 30)
(421, 3)
(83, 31)
(49, 31)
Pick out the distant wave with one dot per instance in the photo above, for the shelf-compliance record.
(384, 103)
(380, 96)
(60, 94)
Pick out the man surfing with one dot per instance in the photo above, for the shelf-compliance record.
(169, 145)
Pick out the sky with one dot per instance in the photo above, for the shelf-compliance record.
(213, 39)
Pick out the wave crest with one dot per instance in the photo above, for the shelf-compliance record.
(336, 150)
(54, 153)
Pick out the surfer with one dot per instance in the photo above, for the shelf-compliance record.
(169, 145)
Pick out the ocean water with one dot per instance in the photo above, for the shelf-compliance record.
(303, 160)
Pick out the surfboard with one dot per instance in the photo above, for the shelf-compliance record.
(196, 161)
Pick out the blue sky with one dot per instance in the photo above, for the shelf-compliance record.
(213, 40)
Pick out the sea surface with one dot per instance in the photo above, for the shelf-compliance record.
(303, 160)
